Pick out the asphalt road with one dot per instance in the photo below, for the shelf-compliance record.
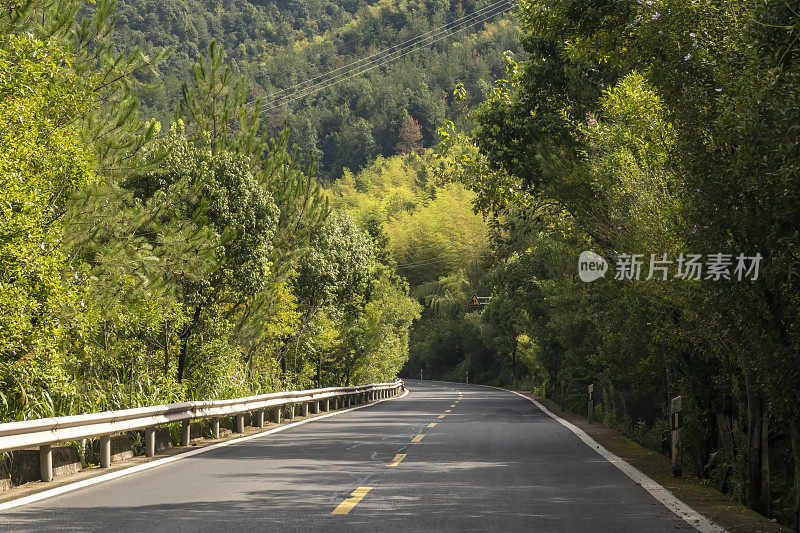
(494, 462)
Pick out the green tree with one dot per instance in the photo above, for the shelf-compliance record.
(41, 163)
(232, 202)
(218, 115)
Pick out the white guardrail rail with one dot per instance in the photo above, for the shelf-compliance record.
(45, 432)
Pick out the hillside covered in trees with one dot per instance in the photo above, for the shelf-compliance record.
(284, 49)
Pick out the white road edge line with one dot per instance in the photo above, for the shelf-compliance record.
(39, 496)
(689, 515)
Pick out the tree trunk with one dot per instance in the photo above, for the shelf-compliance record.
(754, 427)
(166, 349)
(764, 502)
(185, 334)
(794, 434)
(514, 369)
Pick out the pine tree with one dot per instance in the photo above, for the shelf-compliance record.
(217, 113)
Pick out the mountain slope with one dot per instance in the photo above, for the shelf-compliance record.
(278, 45)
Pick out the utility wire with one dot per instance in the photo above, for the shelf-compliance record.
(374, 64)
(377, 63)
(399, 47)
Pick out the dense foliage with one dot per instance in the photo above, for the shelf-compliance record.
(143, 265)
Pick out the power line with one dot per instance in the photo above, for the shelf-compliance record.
(375, 64)
(399, 46)
(333, 81)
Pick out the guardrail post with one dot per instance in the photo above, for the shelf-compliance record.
(316, 407)
(240, 423)
(215, 427)
(327, 404)
(150, 441)
(676, 410)
(306, 408)
(291, 411)
(590, 406)
(46, 462)
(276, 414)
(259, 418)
(186, 432)
(105, 451)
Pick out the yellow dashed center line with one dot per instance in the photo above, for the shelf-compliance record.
(447, 411)
(432, 424)
(453, 405)
(355, 497)
(417, 438)
(442, 416)
(397, 458)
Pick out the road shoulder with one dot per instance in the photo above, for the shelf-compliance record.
(705, 499)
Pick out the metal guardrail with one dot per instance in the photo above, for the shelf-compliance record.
(45, 432)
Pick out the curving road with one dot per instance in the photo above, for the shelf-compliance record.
(492, 462)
